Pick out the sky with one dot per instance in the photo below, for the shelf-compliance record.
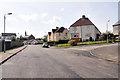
(39, 17)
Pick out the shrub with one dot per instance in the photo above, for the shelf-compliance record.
(61, 41)
(72, 42)
(90, 39)
(109, 41)
(63, 45)
(51, 43)
(13, 39)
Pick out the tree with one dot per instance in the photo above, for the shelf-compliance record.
(104, 36)
(21, 38)
(45, 38)
(13, 39)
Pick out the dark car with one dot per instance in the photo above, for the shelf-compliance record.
(45, 45)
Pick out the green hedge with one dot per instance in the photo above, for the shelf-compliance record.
(51, 43)
(63, 45)
(95, 42)
(61, 41)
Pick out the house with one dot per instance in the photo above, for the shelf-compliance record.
(116, 29)
(58, 33)
(83, 29)
(8, 36)
(49, 36)
(28, 37)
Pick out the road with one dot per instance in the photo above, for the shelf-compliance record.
(38, 62)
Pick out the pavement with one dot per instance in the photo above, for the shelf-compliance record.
(5, 56)
(38, 62)
(104, 51)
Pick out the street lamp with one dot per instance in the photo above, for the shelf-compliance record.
(107, 30)
(4, 29)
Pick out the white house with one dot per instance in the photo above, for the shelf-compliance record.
(83, 29)
(8, 36)
(116, 28)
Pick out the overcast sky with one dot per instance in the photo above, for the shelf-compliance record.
(38, 17)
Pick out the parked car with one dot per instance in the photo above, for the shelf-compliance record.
(45, 45)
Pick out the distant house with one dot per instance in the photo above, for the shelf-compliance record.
(8, 36)
(49, 36)
(116, 29)
(58, 33)
(83, 29)
(28, 37)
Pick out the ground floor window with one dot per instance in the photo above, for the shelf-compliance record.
(75, 35)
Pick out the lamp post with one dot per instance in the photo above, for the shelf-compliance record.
(107, 30)
(4, 29)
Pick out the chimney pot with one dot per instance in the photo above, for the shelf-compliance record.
(83, 16)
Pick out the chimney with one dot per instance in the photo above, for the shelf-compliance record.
(83, 16)
(57, 27)
(25, 33)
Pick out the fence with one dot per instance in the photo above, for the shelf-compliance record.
(10, 45)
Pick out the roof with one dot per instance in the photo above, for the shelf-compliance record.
(117, 23)
(8, 34)
(82, 22)
(27, 36)
(61, 29)
(49, 33)
(53, 30)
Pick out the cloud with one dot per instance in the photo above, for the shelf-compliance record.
(62, 9)
(43, 15)
(53, 20)
(12, 19)
(28, 18)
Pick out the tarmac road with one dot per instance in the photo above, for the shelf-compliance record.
(38, 62)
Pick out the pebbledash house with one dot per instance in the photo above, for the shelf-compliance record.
(83, 29)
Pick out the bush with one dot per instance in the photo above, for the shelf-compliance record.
(63, 45)
(13, 39)
(90, 39)
(109, 41)
(95, 42)
(61, 41)
(72, 42)
(51, 43)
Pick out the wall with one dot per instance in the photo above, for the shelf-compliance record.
(88, 30)
(115, 30)
(10, 45)
(0, 45)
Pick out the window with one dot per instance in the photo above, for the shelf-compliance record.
(66, 34)
(88, 35)
(88, 27)
(74, 28)
(75, 35)
(59, 34)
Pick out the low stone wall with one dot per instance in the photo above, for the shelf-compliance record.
(0, 45)
(10, 45)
